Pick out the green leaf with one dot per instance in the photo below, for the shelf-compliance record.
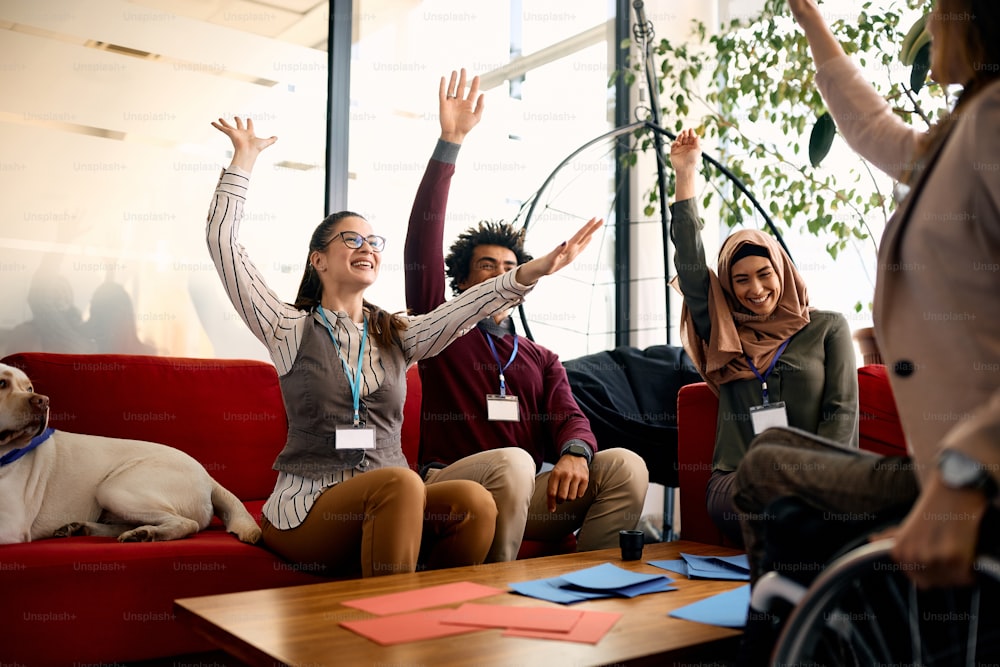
(821, 138)
(921, 66)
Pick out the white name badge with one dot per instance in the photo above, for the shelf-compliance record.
(349, 437)
(502, 408)
(767, 416)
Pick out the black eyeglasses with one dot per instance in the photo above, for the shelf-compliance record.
(354, 240)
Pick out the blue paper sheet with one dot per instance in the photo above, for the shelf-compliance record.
(551, 590)
(735, 568)
(607, 577)
(728, 609)
(601, 581)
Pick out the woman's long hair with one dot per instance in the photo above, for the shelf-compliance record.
(383, 326)
(979, 46)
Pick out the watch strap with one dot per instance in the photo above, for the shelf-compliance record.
(579, 448)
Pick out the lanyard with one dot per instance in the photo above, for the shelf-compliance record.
(513, 354)
(763, 378)
(353, 379)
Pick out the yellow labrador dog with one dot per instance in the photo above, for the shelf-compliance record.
(55, 484)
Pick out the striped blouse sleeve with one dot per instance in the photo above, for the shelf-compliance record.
(429, 334)
(271, 320)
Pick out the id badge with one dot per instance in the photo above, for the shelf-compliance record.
(502, 408)
(767, 416)
(349, 437)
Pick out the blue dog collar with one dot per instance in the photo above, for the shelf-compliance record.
(15, 454)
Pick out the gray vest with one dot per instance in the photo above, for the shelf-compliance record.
(317, 398)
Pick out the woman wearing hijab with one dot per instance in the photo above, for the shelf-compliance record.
(770, 358)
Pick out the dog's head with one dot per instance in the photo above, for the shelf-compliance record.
(23, 413)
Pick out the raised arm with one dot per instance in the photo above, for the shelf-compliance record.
(269, 319)
(685, 231)
(429, 334)
(423, 251)
(863, 117)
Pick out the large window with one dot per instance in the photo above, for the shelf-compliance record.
(109, 164)
(545, 69)
(109, 159)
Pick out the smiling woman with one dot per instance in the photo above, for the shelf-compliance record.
(771, 358)
(341, 363)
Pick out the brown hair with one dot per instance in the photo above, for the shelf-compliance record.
(383, 325)
(978, 45)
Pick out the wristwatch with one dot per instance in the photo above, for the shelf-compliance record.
(961, 471)
(578, 448)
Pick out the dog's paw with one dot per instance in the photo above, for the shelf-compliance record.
(250, 534)
(71, 530)
(140, 534)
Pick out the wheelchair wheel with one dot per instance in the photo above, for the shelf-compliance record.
(863, 610)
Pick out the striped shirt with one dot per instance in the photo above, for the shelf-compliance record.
(279, 326)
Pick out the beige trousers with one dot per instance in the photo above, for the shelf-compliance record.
(613, 500)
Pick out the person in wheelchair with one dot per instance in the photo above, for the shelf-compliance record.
(937, 320)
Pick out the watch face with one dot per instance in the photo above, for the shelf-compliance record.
(958, 470)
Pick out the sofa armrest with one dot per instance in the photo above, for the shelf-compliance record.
(410, 432)
(697, 415)
(879, 429)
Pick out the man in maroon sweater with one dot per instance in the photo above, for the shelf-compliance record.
(498, 427)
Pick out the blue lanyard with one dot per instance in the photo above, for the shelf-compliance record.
(352, 379)
(513, 354)
(763, 378)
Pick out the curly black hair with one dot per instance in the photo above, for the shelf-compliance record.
(487, 232)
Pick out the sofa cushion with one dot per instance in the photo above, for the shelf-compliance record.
(85, 600)
(200, 406)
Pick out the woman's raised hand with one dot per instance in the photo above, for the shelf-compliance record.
(685, 154)
(459, 111)
(685, 151)
(246, 145)
(560, 256)
(802, 9)
(822, 43)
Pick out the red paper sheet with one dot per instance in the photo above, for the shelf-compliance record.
(500, 616)
(402, 628)
(590, 629)
(422, 598)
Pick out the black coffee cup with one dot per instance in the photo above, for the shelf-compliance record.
(631, 542)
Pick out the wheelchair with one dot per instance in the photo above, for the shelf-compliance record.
(862, 610)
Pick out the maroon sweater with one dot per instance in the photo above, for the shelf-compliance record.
(453, 421)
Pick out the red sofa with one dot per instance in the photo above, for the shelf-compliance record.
(82, 600)
(697, 414)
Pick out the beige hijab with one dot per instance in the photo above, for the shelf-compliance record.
(735, 330)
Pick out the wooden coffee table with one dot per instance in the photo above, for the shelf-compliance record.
(299, 625)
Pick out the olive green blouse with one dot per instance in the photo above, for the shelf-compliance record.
(816, 376)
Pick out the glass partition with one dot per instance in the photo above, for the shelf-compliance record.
(110, 160)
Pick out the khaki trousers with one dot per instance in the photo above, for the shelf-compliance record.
(613, 500)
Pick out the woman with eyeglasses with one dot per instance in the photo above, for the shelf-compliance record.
(346, 501)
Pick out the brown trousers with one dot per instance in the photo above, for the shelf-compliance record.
(385, 521)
